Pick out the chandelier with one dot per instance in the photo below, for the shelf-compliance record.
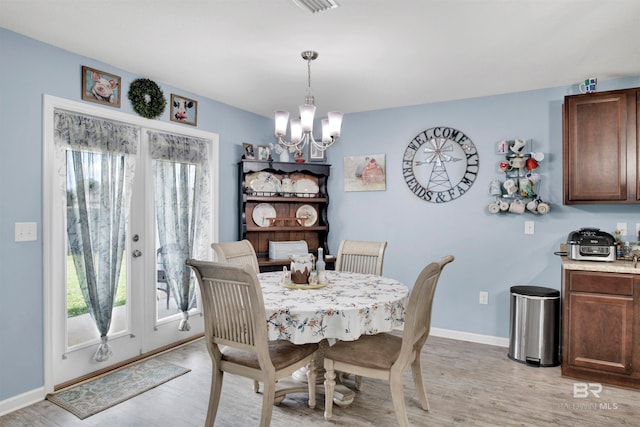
(302, 127)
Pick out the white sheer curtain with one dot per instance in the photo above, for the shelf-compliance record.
(97, 160)
(182, 191)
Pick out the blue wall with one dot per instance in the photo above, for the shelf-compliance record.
(28, 70)
(492, 252)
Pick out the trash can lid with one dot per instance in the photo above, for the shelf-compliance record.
(535, 291)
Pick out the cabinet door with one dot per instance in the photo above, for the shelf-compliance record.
(595, 148)
(600, 330)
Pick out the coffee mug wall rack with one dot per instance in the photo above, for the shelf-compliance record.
(517, 192)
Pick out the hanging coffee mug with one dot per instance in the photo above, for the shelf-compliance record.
(494, 207)
(510, 186)
(516, 207)
(494, 188)
(533, 177)
(543, 208)
(517, 162)
(538, 156)
(517, 146)
(589, 85)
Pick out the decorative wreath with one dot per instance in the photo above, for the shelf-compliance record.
(147, 98)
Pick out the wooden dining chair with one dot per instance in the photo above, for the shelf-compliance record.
(388, 355)
(236, 335)
(239, 252)
(357, 256)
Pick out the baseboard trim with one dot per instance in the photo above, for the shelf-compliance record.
(20, 401)
(471, 337)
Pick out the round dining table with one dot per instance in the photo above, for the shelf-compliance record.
(350, 305)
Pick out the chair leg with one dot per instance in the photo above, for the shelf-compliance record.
(329, 387)
(416, 370)
(311, 380)
(256, 386)
(397, 396)
(214, 396)
(268, 396)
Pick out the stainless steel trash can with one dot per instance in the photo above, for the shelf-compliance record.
(534, 331)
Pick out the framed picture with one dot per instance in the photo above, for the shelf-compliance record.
(365, 173)
(184, 110)
(264, 152)
(101, 87)
(248, 151)
(316, 155)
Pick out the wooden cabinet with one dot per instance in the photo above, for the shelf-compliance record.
(291, 213)
(601, 340)
(600, 147)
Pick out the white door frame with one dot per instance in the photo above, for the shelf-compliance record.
(49, 190)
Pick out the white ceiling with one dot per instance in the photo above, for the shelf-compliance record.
(373, 54)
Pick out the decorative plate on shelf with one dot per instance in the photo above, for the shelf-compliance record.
(305, 187)
(262, 214)
(307, 215)
(263, 182)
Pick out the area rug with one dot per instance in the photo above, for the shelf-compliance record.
(89, 398)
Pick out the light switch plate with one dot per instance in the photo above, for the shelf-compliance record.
(26, 231)
(529, 227)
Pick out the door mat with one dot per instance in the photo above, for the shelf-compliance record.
(89, 398)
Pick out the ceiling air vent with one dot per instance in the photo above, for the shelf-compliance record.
(316, 6)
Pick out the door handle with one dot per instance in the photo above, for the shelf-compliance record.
(136, 253)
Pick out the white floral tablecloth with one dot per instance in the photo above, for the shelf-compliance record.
(350, 305)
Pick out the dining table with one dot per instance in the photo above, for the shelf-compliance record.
(345, 307)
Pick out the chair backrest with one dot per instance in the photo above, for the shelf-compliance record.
(418, 314)
(357, 256)
(233, 306)
(239, 253)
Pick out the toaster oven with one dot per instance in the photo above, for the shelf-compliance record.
(591, 244)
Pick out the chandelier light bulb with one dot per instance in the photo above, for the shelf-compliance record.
(281, 119)
(335, 122)
(307, 113)
(326, 131)
(296, 131)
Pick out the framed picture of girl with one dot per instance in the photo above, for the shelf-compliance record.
(247, 149)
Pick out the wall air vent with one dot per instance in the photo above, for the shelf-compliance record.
(316, 6)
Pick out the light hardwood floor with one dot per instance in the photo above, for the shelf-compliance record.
(468, 384)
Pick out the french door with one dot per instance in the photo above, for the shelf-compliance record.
(150, 306)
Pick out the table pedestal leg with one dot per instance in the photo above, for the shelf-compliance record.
(342, 395)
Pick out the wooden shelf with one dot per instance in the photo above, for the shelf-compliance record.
(286, 206)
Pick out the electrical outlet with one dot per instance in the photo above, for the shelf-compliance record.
(622, 226)
(26, 231)
(484, 297)
(529, 227)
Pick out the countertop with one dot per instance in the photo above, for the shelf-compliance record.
(618, 266)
